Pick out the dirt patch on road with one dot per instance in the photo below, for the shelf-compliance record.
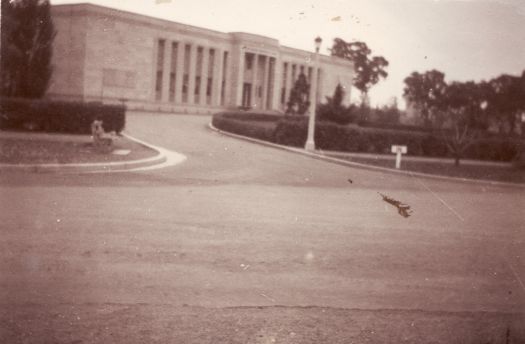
(142, 323)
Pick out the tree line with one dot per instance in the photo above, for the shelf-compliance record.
(498, 102)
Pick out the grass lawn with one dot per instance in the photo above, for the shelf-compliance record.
(37, 151)
(494, 173)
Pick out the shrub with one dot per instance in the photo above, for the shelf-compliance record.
(292, 131)
(246, 124)
(59, 116)
(298, 102)
(334, 110)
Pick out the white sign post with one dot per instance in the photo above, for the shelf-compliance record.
(398, 150)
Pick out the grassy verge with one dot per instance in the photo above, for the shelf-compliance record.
(38, 151)
(494, 173)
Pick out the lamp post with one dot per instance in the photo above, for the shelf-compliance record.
(310, 143)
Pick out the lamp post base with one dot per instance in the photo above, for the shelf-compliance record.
(309, 145)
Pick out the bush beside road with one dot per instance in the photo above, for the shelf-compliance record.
(487, 154)
(59, 116)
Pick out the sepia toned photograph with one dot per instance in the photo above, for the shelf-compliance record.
(258, 172)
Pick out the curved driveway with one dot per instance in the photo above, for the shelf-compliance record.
(239, 224)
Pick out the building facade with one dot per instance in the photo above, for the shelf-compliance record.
(103, 54)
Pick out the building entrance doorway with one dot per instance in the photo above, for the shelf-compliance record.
(246, 95)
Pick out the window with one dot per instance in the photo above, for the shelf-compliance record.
(208, 87)
(172, 87)
(249, 61)
(160, 65)
(197, 85)
(185, 82)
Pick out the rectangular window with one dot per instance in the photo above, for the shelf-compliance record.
(187, 54)
(186, 75)
(185, 86)
(160, 66)
(208, 87)
(158, 84)
(197, 85)
(211, 62)
(172, 87)
(211, 70)
(173, 70)
(224, 77)
(285, 79)
(198, 74)
(249, 61)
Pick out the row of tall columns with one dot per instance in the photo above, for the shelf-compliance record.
(260, 81)
(217, 74)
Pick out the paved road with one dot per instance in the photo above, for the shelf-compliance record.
(247, 232)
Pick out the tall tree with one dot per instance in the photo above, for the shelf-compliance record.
(425, 92)
(368, 69)
(507, 100)
(298, 102)
(334, 110)
(464, 105)
(27, 39)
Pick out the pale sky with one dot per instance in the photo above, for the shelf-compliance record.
(465, 39)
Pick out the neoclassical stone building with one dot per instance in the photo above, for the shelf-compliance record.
(103, 54)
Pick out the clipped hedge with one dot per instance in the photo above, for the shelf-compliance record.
(59, 116)
(243, 124)
(292, 131)
(352, 138)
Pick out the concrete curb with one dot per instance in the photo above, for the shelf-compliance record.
(320, 156)
(115, 166)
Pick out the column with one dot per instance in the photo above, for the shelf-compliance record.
(265, 79)
(217, 77)
(255, 68)
(227, 76)
(191, 81)
(277, 83)
(204, 75)
(237, 70)
(179, 74)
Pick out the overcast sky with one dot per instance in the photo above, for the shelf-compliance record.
(465, 39)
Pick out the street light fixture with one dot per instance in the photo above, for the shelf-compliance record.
(310, 143)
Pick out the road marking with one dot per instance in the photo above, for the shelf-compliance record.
(267, 297)
(440, 199)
